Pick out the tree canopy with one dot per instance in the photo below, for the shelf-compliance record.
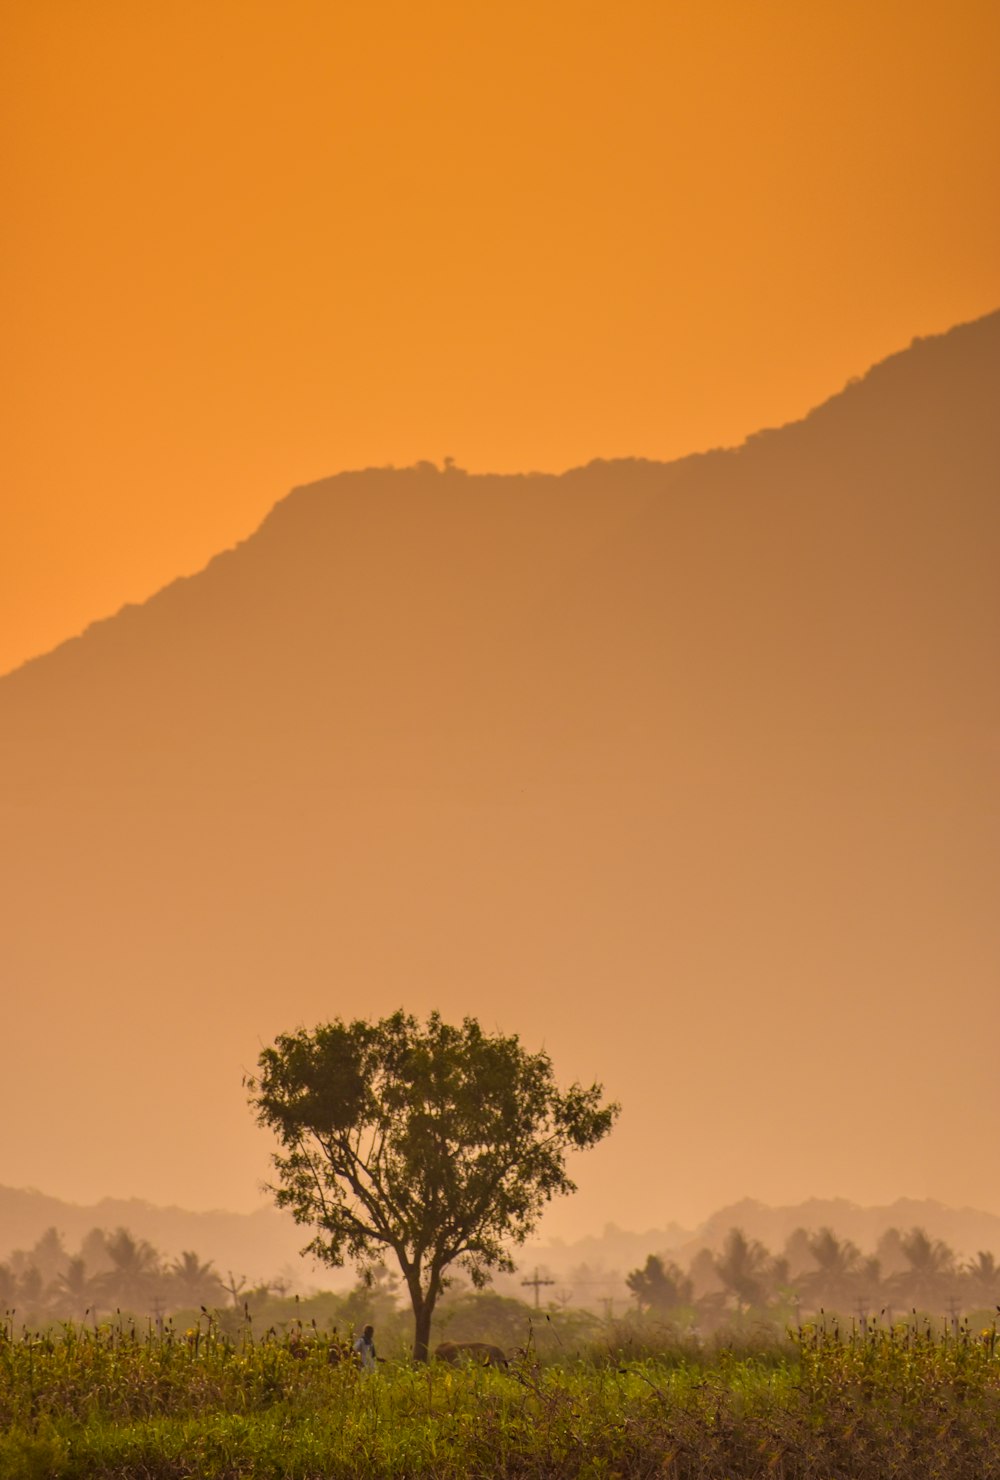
(660, 1287)
(438, 1144)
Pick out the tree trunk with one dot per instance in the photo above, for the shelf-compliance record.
(422, 1312)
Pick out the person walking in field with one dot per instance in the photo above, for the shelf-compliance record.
(364, 1349)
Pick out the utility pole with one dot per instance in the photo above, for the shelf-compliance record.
(537, 1281)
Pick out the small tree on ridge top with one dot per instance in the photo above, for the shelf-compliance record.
(440, 1144)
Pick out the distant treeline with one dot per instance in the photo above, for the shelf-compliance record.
(114, 1272)
(817, 1271)
(117, 1278)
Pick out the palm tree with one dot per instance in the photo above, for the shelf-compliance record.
(782, 1288)
(931, 1270)
(49, 1256)
(134, 1277)
(31, 1293)
(742, 1268)
(983, 1277)
(870, 1281)
(832, 1283)
(74, 1289)
(193, 1283)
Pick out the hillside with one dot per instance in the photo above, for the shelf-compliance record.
(688, 771)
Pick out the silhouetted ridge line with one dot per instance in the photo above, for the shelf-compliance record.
(636, 471)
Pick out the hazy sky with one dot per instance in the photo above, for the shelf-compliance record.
(249, 244)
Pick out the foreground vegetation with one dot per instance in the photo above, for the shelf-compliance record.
(115, 1401)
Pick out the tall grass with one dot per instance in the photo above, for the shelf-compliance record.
(123, 1402)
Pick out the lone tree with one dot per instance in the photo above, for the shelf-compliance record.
(660, 1287)
(441, 1144)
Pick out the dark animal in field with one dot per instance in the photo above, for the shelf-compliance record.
(480, 1352)
(337, 1351)
(340, 1351)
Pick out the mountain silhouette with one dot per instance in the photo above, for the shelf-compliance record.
(687, 770)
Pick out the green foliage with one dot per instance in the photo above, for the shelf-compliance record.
(742, 1268)
(514, 1325)
(906, 1401)
(658, 1287)
(436, 1143)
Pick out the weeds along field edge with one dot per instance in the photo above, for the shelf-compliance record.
(117, 1402)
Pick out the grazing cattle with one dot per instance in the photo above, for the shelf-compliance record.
(480, 1352)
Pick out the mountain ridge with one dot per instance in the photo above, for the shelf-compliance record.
(829, 406)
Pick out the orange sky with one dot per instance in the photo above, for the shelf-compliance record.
(250, 244)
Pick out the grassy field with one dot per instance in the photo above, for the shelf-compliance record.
(120, 1402)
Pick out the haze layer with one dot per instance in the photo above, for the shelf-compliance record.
(687, 771)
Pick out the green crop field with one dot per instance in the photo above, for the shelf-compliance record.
(117, 1401)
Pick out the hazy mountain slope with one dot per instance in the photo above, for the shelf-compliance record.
(690, 770)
